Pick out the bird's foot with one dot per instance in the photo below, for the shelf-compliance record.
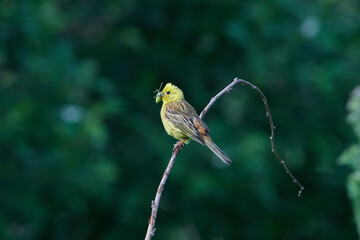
(178, 146)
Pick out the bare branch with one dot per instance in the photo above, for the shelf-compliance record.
(179, 145)
(155, 203)
(268, 114)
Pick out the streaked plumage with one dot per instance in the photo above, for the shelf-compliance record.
(181, 121)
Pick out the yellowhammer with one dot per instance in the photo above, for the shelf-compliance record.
(181, 121)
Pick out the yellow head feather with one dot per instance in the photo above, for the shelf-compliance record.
(170, 93)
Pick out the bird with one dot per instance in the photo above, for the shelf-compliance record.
(181, 121)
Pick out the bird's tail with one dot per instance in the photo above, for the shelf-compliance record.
(217, 150)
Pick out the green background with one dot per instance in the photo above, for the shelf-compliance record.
(82, 146)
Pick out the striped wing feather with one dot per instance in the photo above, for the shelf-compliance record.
(183, 116)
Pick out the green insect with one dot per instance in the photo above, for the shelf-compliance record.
(157, 96)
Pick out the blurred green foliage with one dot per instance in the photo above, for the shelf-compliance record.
(82, 147)
(351, 156)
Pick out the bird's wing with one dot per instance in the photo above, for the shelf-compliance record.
(184, 117)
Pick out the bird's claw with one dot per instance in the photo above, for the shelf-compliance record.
(178, 146)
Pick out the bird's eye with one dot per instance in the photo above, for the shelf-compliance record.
(168, 92)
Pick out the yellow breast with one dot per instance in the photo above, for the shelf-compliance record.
(170, 128)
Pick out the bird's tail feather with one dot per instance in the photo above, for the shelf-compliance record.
(217, 151)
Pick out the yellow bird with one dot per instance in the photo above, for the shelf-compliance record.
(181, 121)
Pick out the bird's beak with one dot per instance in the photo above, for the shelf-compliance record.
(159, 96)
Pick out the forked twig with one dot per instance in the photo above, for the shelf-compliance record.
(179, 145)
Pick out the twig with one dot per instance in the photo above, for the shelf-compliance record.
(268, 114)
(179, 145)
(155, 203)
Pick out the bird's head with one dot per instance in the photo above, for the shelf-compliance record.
(170, 93)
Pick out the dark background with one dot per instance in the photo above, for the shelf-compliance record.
(83, 148)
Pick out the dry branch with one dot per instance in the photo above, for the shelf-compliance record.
(179, 145)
